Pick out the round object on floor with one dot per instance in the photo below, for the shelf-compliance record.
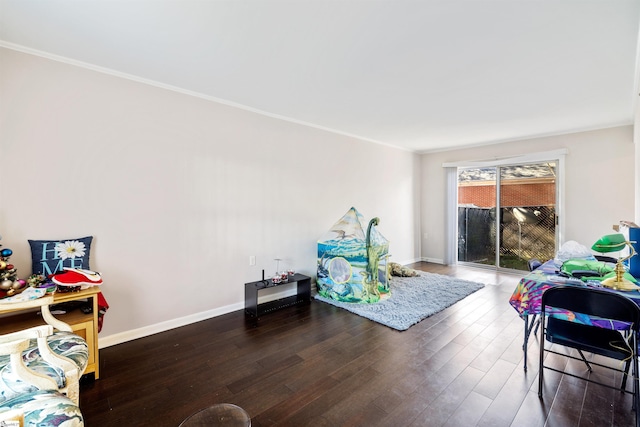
(220, 414)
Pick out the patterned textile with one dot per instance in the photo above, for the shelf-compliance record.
(62, 343)
(26, 295)
(527, 297)
(45, 408)
(72, 346)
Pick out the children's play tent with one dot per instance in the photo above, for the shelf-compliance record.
(352, 262)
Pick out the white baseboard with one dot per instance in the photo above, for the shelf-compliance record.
(282, 292)
(421, 259)
(409, 261)
(133, 334)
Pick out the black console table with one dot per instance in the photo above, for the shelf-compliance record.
(251, 290)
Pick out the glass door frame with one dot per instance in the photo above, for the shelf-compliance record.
(451, 218)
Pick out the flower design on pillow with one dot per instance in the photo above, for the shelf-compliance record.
(70, 249)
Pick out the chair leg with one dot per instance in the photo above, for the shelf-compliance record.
(541, 364)
(584, 359)
(627, 365)
(636, 388)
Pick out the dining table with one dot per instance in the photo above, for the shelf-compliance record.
(527, 300)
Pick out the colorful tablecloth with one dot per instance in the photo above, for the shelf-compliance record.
(527, 297)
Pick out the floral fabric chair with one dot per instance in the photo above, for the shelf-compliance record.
(61, 355)
(41, 404)
(41, 408)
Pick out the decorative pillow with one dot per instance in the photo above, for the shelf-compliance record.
(50, 256)
(402, 271)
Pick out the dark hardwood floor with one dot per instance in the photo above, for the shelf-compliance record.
(318, 365)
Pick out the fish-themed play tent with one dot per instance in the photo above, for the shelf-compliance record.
(352, 261)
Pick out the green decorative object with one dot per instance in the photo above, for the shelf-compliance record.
(602, 268)
(610, 243)
(620, 280)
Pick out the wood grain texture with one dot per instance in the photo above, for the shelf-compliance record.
(318, 365)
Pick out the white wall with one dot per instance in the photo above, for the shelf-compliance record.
(636, 138)
(599, 182)
(179, 191)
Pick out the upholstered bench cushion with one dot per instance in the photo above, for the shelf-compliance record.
(72, 346)
(45, 408)
(63, 343)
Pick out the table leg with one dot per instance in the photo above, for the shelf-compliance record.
(251, 299)
(528, 327)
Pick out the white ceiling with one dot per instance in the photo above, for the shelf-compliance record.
(422, 75)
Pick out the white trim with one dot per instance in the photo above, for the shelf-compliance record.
(499, 161)
(160, 85)
(636, 83)
(433, 260)
(451, 216)
(122, 337)
(560, 191)
(528, 136)
(146, 331)
(636, 129)
(411, 261)
(452, 200)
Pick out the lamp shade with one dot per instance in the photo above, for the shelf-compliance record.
(610, 243)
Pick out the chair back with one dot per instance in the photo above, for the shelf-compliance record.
(533, 263)
(593, 302)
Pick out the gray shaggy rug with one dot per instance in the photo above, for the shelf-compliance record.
(412, 299)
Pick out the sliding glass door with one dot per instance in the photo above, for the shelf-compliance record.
(477, 215)
(507, 214)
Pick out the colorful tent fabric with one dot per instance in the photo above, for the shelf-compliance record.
(352, 261)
